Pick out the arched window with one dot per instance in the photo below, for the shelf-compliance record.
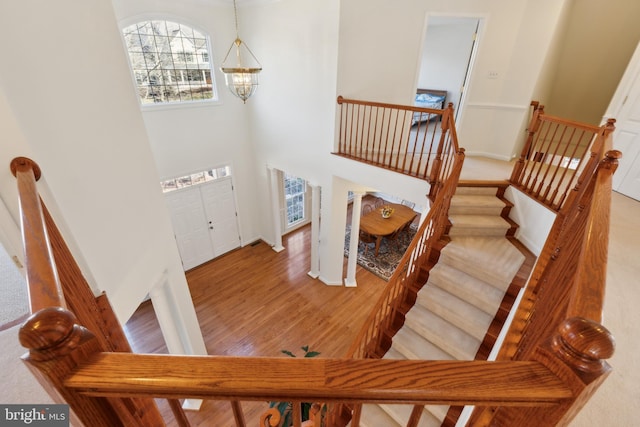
(170, 62)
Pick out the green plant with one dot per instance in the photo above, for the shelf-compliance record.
(285, 408)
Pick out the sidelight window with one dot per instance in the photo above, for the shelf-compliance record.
(294, 193)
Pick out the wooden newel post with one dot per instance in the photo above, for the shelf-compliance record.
(584, 345)
(57, 344)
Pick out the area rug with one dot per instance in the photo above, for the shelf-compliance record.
(389, 254)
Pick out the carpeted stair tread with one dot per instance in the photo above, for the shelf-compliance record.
(401, 413)
(375, 416)
(493, 260)
(476, 204)
(437, 412)
(441, 333)
(469, 288)
(459, 313)
(490, 191)
(478, 225)
(394, 354)
(411, 345)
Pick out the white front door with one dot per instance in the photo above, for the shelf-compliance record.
(190, 226)
(220, 207)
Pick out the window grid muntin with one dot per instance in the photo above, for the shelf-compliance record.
(195, 178)
(153, 46)
(294, 194)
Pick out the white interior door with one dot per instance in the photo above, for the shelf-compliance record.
(627, 139)
(220, 207)
(190, 226)
(625, 108)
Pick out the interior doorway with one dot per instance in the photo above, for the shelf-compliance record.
(448, 52)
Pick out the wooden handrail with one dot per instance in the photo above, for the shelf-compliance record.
(588, 298)
(40, 266)
(371, 380)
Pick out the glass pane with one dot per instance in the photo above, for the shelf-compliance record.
(184, 181)
(197, 178)
(223, 171)
(168, 185)
(294, 190)
(155, 47)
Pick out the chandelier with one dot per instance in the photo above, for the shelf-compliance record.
(241, 77)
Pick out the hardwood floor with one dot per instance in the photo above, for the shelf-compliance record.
(256, 302)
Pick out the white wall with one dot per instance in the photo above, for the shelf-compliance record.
(513, 43)
(68, 103)
(195, 137)
(598, 43)
(446, 55)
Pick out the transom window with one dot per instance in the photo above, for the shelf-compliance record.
(170, 62)
(195, 178)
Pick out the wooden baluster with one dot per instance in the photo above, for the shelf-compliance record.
(296, 413)
(178, 413)
(416, 413)
(357, 413)
(238, 415)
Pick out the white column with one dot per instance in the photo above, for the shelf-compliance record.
(315, 231)
(170, 320)
(350, 280)
(275, 209)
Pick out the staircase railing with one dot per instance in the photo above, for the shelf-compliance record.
(561, 309)
(406, 139)
(554, 155)
(551, 364)
(378, 328)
